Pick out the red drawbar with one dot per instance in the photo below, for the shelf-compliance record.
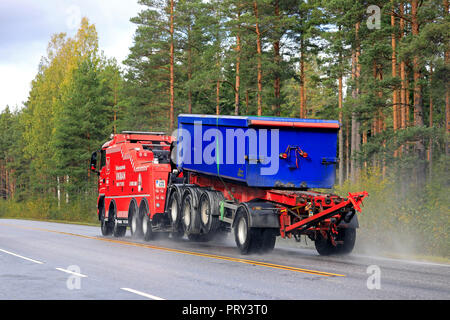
(294, 124)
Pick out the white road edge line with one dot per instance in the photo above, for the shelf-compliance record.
(71, 272)
(19, 256)
(143, 294)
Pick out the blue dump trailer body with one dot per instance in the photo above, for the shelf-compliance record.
(267, 152)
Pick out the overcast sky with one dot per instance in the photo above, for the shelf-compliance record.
(27, 25)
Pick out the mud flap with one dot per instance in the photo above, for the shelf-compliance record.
(263, 215)
(353, 223)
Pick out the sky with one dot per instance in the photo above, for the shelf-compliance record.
(26, 27)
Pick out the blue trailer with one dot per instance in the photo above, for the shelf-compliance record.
(255, 176)
(269, 152)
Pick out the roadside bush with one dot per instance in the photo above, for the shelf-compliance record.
(415, 222)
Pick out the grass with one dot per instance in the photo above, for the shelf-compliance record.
(56, 221)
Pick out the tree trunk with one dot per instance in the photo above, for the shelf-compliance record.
(430, 145)
(447, 90)
(238, 79)
(218, 97)
(276, 108)
(277, 81)
(58, 188)
(341, 136)
(403, 92)
(402, 76)
(2, 181)
(172, 78)
(189, 52)
(246, 101)
(394, 75)
(238, 64)
(259, 52)
(302, 80)
(408, 102)
(67, 193)
(355, 145)
(115, 106)
(418, 103)
(347, 149)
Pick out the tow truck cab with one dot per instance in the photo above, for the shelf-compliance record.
(134, 171)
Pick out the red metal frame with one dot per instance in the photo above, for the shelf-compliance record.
(327, 205)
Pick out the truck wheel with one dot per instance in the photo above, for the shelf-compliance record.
(248, 240)
(348, 236)
(174, 213)
(116, 229)
(190, 218)
(324, 246)
(146, 223)
(135, 222)
(268, 238)
(119, 231)
(199, 237)
(207, 205)
(147, 228)
(105, 226)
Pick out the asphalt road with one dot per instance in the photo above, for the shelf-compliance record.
(43, 260)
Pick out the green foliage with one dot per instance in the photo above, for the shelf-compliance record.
(81, 210)
(45, 147)
(401, 220)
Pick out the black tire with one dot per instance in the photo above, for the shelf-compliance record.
(348, 236)
(345, 235)
(248, 240)
(199, 237)
(268, 239)
(119, 231)
(146, 223)
(135, 221)
(208, 203)
(324, 246)
(174, 213)
(105, 226)
(190, 219)
(147, 229)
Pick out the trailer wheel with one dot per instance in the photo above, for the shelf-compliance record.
(146, 223)
(248, 240)
(268, 238)
(174, 213)
(105, 226)
(345, 235)
(207, 204)
(190, 218)
(324, 246)
(348, 236)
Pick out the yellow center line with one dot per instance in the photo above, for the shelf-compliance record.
(193, 253)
